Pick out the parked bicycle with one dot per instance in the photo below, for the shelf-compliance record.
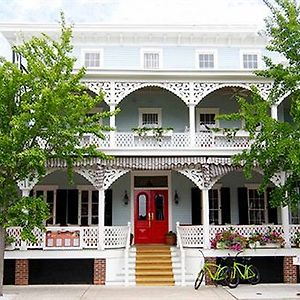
(242, 270)
(217, 273)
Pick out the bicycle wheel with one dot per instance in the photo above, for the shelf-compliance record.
(223, 276)
(253, 274)
(199, 280)
(233, 278)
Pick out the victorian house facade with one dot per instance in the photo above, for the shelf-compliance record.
(170, 171)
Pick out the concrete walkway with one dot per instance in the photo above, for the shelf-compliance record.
(92, 292)
(266, 291)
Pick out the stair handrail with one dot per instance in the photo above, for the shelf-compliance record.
(182, 252)
(126, 254)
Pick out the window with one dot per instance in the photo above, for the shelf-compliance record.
(49, 195)
(92, 59)
(88, 203)
(149, 117)
(249, 60)
(206, 59)
(257, 207)
(206, 118)
(151, 58)
(215, 215)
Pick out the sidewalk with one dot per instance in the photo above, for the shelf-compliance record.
(93, 292)
(266, 291)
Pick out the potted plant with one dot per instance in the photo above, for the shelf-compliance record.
(170, 238)
(255, 240)
(297, 239)
(270, 239)
(229, 239)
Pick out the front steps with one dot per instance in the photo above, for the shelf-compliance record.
(154, 266)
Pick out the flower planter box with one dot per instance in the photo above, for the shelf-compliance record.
(266, 246)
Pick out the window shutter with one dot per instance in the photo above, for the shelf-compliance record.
(243, 206)
(225, 205)
(196, 206)
(108, 208)
(272, 211)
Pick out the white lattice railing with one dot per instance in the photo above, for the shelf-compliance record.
(192, 236)
(203, 139)
(72, 237)
(244, 230)
(293, 229)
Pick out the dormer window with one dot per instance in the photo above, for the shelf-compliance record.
(206, 59)
(250, 59)
(92, 59)
(150, 117)
(151, 58)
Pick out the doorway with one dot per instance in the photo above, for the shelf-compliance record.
(151, 215)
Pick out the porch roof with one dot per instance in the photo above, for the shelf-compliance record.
(145, 162)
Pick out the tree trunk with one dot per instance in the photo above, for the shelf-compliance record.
(2, 248)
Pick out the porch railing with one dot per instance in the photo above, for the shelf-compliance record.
(72, 237)
(192, 236)
(203, 139)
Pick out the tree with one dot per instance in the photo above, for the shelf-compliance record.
(43, 115)
(276, 148)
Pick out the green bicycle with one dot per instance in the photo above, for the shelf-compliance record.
(245, 271)
(217, 273)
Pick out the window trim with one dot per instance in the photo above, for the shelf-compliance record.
(253, 186)
(89, 189)
(150, 110)
(151, 50)
(92, 50)
(206, 51)
(218, 187)
(250, 52)
(206, 110)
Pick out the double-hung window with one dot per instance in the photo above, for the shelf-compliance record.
(250, 59)
(215, 213)
(150, 117)
(257, 204)
(206, 59)
(92, 59)
(151, 59)
(206, 118)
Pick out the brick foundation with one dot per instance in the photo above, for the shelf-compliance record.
(99, 271)
(22, 272)
(211, 260)
(289, 270)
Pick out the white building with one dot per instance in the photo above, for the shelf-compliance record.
(172, 80)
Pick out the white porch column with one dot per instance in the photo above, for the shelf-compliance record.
(205, 218)
(101, 212)
(286, 226)
(274, 112)
(112, 123)
(192, 124)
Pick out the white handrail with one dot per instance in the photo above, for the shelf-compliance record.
(182, 252)
(126, 255)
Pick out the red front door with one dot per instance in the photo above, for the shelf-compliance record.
(151, 216)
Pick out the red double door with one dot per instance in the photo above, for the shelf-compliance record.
(151, 216)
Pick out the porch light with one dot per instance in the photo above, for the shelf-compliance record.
(125, 198)
(176, 198)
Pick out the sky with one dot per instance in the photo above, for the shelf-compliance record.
(188, 12)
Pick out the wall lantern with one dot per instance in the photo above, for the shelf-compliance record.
(125, 198)
(176, 198)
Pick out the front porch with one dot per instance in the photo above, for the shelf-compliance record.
(85, 237)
